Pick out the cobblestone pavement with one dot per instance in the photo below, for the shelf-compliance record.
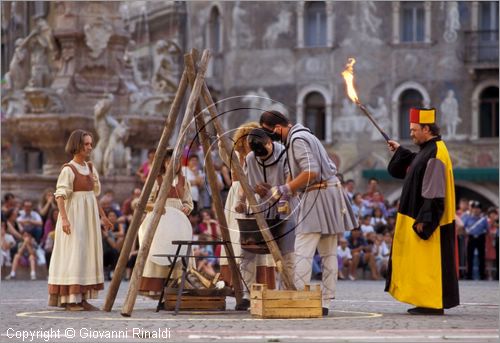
(361, 312)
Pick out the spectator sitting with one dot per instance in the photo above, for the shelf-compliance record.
(118, 230)
(132, 257)
(31, 220)
(210, 227)
(357, 205)
(377, 220)
(48, 228)
(378, 202)
(46, 204)
(10, 203)
(50, 224)
(7, 242)
(27, 249)
(391, 223)
(344, 258)
(127, 209)
(110, 196)
(196, 178)
(110, 253)
(361, 254)
(366, 225)
(106, 204)
(384, 253)
(349, 186)
(372, 188)
(145, 168)
(392, 211)
(194, 219)
(204, 264)
(49, 247)
(13, 227)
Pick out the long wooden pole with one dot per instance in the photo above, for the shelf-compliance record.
(173, 166)
(189, 61)
(146, 191)
(261, 222)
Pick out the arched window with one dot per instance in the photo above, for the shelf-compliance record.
(315, 23)
(315, 107)
(409, 98)
(215, 31)
(488, 112)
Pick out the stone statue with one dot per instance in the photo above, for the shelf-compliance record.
(117, 157)
(97, 35)
(277, 28)
(449, 110)
(349, 124)
(381, 116)
(452, 24)
(42, 44)
(17, 76)
(103, 124)
(67, 61)
(260, 101)
(13, 104)
(370, 23)
(365, 26)
(241, 36)
(164, 80)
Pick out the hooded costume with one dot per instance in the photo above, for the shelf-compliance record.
(422, 267)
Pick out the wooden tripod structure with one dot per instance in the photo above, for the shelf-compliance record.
(195, 78)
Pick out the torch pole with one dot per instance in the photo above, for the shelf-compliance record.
(368, 114)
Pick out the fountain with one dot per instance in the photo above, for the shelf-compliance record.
(77, 63)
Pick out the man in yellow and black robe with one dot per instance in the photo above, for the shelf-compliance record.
(422, 267)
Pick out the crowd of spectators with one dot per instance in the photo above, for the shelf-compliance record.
(28, 228)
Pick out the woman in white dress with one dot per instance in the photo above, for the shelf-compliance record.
(179, 197)
(76, 269)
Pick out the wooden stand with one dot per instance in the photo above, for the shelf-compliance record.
(146, 191)
(266, 303)
(164, 189)
(196, 302)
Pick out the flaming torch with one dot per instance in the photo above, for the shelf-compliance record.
(348, 75)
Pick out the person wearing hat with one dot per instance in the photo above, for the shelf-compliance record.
(476, 228)
(422, 269)
(266, 166)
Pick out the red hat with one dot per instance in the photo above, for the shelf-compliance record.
(422, 115)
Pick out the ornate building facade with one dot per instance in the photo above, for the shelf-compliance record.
(289, 56)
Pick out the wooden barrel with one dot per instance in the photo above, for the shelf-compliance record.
(251, 239)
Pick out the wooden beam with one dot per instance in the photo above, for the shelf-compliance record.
(261, 222)
(146, 191)
(164, 189)
(212, 180)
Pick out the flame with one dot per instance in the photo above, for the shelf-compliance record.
(348, 75)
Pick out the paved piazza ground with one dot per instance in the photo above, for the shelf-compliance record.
(362, 312)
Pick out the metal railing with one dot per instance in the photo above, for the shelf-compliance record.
(481, 46)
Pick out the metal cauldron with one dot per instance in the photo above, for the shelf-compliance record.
(251, 239)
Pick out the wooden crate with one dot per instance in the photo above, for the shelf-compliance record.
(267, 303)
(192, 302)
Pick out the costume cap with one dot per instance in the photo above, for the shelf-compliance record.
(422, 115)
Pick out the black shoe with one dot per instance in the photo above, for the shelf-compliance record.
(243, 305)
(426, 311)
(325, 311)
